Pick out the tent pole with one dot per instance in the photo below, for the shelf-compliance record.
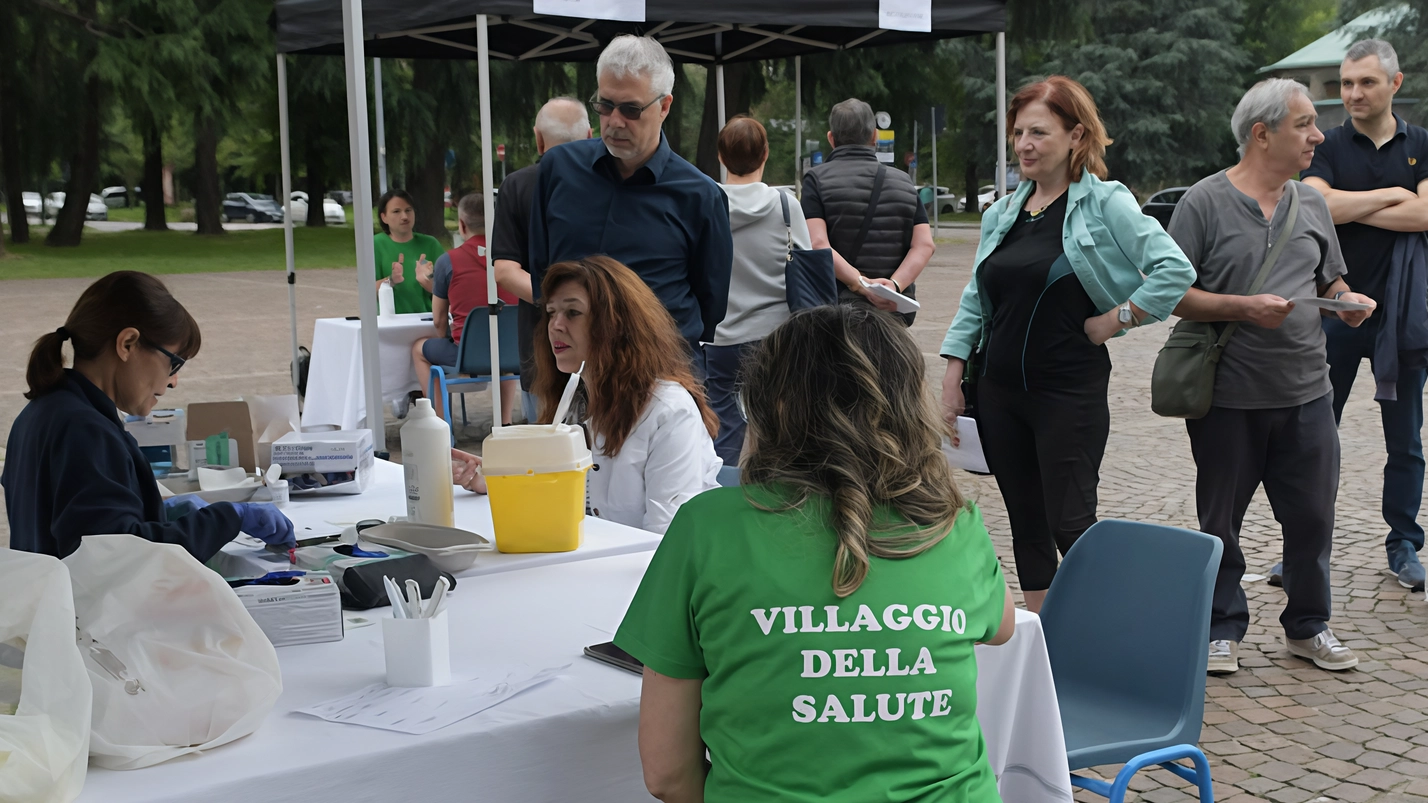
(1001, 114)
(719, 91)
(798, 125)
(483, 46)
(361, 153)
(381, 133)
(286, 152)
(936, 202)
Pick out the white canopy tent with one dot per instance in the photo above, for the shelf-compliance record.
(444, 28)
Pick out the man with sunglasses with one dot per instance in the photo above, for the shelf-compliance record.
(627, 195)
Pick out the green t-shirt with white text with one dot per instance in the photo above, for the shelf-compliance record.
(407, 296)
(808, 697)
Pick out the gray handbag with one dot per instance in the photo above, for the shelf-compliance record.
(1182, 384)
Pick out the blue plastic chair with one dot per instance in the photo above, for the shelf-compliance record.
(1127, 624)
(473, 358)
(729, 477)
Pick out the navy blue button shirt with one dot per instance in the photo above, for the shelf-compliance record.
(668, 222)
(71, 470)
(1348, 160)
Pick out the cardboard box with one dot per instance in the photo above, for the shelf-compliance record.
(335, 452)
(211, 418)
(308, 611)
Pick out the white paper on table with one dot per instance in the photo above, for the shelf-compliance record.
(905, 15)
(967, 454)
(1330, 304)
(904, 304)
(621, 10)
(423, 710)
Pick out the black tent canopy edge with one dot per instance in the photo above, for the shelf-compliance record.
(747, 29)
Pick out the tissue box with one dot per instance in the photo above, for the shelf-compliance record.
(336, 452)
(306, 612)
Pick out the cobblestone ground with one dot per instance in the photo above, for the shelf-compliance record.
(1278, 730)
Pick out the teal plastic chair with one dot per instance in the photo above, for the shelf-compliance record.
(473, 358)
(1127, 624)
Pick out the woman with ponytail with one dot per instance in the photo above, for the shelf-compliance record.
(71, 470)
(814, 627)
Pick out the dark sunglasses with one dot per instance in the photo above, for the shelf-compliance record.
(175, 361)
(629, 111)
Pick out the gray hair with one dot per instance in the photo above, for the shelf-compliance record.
(629, 54)
(1266, 102)
(559, 126)
(851, 123)
(1387, 56)
(472, 210)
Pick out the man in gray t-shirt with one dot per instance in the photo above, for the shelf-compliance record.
(1272, 421)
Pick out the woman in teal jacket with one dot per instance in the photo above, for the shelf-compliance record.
(1065, 263)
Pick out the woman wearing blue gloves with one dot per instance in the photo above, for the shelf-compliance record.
(71, 470)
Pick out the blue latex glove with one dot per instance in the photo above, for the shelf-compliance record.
(176, 507)
(265, 523)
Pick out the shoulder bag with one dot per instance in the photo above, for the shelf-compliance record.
(1182, 384)
(809, 280)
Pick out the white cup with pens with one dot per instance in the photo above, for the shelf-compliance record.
(417, 639)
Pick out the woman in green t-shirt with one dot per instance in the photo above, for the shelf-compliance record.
(404, 257)
(814, 628)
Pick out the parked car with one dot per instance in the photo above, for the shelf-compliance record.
(252, 207)
(31, 202)
(946, 199)
(115, 197)
(95, 211)
(343, 197)
(986, 196)
(331, 210)
(1162, 204)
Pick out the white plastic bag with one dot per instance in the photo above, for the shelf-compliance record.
(176, 662)
(44, 746)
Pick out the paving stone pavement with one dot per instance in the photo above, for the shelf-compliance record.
(1279, 730)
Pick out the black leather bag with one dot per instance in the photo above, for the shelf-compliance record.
(809, 280)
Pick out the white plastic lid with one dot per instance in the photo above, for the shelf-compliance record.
(534, 449)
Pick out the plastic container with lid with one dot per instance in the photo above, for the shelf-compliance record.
(535, 474)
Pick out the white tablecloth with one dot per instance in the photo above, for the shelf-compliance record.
(335, 392)
(571, 739)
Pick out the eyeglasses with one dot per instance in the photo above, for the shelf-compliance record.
(175, 361)
(629, 111)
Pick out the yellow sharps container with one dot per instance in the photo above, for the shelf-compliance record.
(535, 474)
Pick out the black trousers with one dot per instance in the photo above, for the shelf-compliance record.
(1045, 448)
(1294, 453)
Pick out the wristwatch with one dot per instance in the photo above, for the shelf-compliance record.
(1127, 320)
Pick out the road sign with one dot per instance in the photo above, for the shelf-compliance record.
(500, 153)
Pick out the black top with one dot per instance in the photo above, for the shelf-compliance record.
(668, 222)
(71, 470)
(1348, 160)
(510, 235)
(813, 200)
(1037, 337)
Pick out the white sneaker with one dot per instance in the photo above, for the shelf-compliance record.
(1224, 657)
(1324, 650)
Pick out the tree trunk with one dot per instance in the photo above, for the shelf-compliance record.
(970, 179)
(316, 182)
(153, 189)
(207, 200)
(83, 175)
(427, 185)
(735, 102)
(10, 161)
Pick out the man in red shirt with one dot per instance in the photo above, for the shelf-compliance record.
(458, 287)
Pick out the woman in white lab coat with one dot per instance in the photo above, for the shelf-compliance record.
(650, 429)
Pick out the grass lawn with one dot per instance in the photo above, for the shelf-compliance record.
(135, 214)
(177, 252)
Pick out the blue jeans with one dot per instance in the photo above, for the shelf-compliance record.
(1402, 427)
(722, 364)
(529, 405)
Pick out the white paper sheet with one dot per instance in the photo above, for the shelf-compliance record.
(905, 15)
(622, 10)
(967, 454)
(904, 304)
(425, 710)
(1332, 305)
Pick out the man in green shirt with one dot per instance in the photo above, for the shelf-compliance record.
(402, 254)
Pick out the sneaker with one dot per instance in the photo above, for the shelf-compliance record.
(1224, 657)
(1276, 575)
(400, 407)
(1324, 650)
(1403, 563)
